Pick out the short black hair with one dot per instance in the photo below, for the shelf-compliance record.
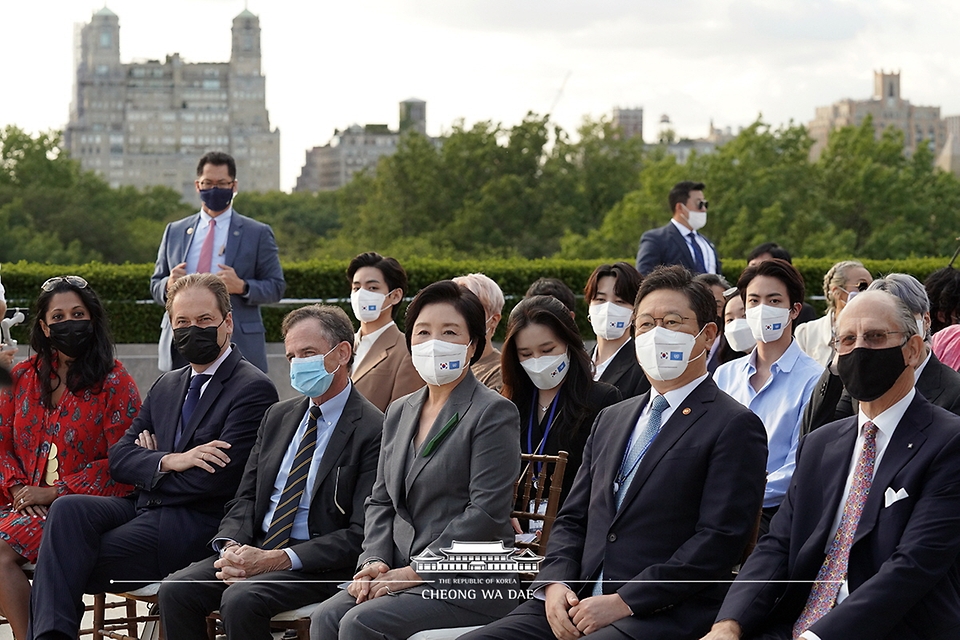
(772, 248)
(779, 269)
(681, 279)
(627, 283)
(943, 289)
(681, 193)
(393, 274)
(218, 159)
(460, 298)
(556, 288)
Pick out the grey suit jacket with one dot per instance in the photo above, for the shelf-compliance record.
(462, 491)
(252, 252)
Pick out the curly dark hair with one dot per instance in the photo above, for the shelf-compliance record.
(943, 289)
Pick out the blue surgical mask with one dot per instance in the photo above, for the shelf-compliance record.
(216, 198)
(309, 376)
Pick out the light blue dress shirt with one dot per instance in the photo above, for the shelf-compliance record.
(222, 232)
(779, 404)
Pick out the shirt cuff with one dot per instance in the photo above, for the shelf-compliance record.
(540, 593)
(809, 635)
(219, 544)
(296, 565)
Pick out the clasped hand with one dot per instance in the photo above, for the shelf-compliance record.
(239, 562)
(32, 501)
(377, 579)
(569, 617)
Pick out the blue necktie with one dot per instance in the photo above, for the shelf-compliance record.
(697, 253)
(632, 460)
(190, 402)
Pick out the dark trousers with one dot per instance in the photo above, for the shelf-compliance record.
(189, 595)
(529, 621)
(90, 544)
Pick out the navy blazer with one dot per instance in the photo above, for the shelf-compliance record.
(904, 577)
(191, 502)
(685, 520)
(666, 246)
(252, 252)
(625, 373)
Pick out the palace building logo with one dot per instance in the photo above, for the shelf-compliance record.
(477, 557)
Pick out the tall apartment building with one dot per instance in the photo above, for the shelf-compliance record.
(920, 125)
(629, 120)
(147, 123)
(357, 148)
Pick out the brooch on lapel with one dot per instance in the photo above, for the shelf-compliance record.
(437, 439)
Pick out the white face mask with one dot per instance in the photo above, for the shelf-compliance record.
(696, 219)
(367, 305)
(739, 335)
(768, 323)
(439, 362)
(664, 354)
(546, 372)
(609, 320)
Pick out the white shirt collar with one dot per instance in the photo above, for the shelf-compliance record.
(888, 420)
(212, 369)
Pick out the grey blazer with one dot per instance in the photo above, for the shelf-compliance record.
(462, 491)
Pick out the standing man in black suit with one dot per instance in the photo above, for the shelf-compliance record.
(866, 542)
(338, 431)
(658, 515)
(185, 453)
(678, 242)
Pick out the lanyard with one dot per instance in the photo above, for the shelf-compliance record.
(546, 431)
(623, 474)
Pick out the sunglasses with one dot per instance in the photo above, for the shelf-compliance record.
(76, 281)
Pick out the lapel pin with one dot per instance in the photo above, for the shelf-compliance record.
(686, 411)
(236, 233)
(190, 231)
(910, 445)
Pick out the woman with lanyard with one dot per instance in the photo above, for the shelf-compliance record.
(547, 373)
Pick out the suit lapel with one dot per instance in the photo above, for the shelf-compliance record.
(167, 437)
(620, 363)
(234, 237)
(338, 439)
(610, 467)
(188, 234)
(208, 398)
(834, 467)
(406, 427)
(286, 431)
(929, 384)
(681, 245)
(379, 351)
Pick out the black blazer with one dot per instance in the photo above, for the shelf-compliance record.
(344, 480)
(191, 502)
(666, 245)
(684, 522)
(904, 576)
(625, 373)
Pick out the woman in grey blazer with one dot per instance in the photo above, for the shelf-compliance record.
(444, 483)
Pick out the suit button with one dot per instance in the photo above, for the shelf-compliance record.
(612, 537)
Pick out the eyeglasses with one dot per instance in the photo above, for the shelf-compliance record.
(872, 339)
(671, 322)
(703, 204)
(76, 281)
(223, 184)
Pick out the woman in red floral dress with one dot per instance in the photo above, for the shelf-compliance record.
(68, 404)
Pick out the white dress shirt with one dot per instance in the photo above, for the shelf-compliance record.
(600, 367)
(222, 232)
(362, 344)
(709, 257)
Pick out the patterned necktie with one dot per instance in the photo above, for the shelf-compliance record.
(190, 402)
(278, 535)
(632, 460)
(823, 594)
(697, 252)
(205, 263)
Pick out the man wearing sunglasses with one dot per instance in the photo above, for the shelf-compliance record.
(678, 242)
(217, 239)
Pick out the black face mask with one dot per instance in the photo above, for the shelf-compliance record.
(198, 345)
(867, 374)
(71, 337)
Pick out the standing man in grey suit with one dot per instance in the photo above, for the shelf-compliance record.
(299, 552)
(678, 242)
(219, 240)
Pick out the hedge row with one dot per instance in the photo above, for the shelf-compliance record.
(134, 318)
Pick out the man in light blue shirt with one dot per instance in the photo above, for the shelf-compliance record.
(296, 523)
(777, 379)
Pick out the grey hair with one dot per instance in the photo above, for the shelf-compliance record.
(489, 292)
(904, 317)
(335, 325)
(905, 287)
(837, 277)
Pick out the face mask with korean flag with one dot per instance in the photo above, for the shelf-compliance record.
(664, 354)
(439, 362)
(609, 321)
(367, 305)
(768, 323)
(546, 372)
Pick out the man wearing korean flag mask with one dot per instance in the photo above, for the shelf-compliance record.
(777, 379)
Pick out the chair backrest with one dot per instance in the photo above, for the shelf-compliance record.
(538, 491)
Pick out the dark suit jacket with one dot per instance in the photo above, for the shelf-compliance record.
(191, 502)
(687, 515)
(904, 577)
(387, 372)
(665, 246)
(252, 252)
(344, 480)
(625, 373)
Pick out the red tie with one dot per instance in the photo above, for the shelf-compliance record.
(823, 594)
(206, 251)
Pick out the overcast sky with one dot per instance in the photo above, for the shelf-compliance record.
(331, 64)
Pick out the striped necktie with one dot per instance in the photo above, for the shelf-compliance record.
(823, 594)
(278, 535)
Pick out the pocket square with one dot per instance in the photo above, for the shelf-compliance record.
(890, 496)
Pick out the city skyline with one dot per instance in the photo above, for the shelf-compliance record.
(330, 66)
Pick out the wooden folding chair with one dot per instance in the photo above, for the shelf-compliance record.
(297, 620)
(538, 491)
(126, 627)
